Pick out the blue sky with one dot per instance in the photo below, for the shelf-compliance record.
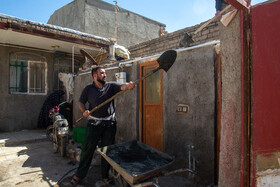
(175, 14)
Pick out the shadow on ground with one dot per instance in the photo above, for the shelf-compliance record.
(32, 164)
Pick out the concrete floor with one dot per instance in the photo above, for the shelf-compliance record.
(27, 159)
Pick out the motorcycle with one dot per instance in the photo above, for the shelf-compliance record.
(58, 132)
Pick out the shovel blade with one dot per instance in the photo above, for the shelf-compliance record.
(167, 59)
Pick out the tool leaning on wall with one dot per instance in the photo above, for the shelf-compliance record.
(188, 38)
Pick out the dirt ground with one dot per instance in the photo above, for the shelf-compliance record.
(36, 164)
(93, 178)
(33, 164)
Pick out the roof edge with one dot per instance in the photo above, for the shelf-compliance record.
(34, 24)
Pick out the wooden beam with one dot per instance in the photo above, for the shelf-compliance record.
(240, 4)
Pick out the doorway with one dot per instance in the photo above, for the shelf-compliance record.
(151, 106)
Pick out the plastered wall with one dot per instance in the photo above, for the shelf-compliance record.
(98, 18)
(20, 111)
(230, 142)
(191, 81)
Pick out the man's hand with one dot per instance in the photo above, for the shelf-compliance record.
(83, 109)
(86, 113)
(128, 86)
(218, 14)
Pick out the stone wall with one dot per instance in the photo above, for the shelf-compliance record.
(172, 40)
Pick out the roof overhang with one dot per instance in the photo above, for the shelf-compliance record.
(29, 34)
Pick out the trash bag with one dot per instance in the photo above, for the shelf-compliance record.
(122, 52)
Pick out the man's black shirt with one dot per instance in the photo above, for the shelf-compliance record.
(95, 96)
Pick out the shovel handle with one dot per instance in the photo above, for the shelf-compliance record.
(119, 93)
(208, 22)
(102, 104)
(79, 119)
(147, 75)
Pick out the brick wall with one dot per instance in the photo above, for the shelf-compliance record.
(172, 40)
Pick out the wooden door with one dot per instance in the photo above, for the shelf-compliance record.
(151, 108)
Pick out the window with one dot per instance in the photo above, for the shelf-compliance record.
(27, 73)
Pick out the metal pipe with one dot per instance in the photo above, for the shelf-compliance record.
(180, 171)
(177, 50)
(73, 59)
(190, 164)
(116, 21)
(157, 55)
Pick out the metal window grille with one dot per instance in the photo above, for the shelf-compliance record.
(18, 76)
(36, 83)
(27, 74)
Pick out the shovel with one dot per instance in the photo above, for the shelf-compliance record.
(187, 39)
(165, 61)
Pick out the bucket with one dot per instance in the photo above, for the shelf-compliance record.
(79, 134)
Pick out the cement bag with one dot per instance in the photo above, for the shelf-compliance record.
(121, 51)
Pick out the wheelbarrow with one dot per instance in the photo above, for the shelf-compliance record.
(134, 162)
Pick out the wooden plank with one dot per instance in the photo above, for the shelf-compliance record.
(240, 4)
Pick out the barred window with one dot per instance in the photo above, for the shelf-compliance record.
(27, 73)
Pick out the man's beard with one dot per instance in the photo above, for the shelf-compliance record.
(101, 81)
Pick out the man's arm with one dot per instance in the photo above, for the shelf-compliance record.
(83, 109)
(128, 86)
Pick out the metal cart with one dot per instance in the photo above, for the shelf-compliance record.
(134, 162)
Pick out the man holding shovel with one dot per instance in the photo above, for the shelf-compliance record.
(101, 123)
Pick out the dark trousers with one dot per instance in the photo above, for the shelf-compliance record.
(93, 133)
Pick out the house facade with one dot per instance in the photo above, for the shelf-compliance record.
(173, 111)
(235, 119)
(216, 110)
(31, 56)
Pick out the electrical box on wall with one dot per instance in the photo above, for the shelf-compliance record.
(183, 108)
(121, 77)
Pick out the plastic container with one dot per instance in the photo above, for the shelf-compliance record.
(79, 134)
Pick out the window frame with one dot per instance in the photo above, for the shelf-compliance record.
(31, 58)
